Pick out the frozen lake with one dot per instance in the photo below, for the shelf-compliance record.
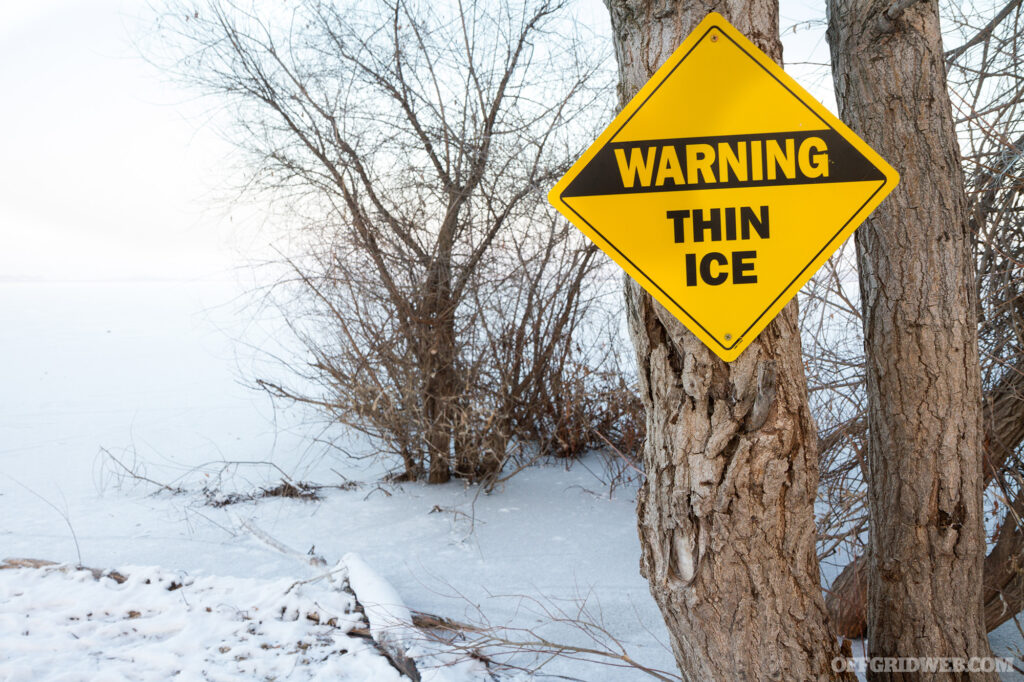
(154, 371)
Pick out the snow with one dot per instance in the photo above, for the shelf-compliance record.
(151, 371)
(389, 618)
(67, 626)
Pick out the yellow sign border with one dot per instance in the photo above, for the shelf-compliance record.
(715, 21)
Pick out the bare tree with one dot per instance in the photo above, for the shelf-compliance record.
(983, 58)
(435, 293)
(924, 454)
(726, 511)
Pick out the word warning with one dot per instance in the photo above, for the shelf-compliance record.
(722, 187)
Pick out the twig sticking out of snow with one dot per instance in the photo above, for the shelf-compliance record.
(314, 560)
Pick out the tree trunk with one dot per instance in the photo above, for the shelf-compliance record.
(1004, 432)
(437, 358)
(923, 381)
(725, 514)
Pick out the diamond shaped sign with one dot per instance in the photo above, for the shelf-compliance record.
(723, 186)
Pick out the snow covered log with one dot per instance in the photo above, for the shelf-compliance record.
(389, 619)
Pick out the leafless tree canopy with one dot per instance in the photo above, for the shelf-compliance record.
(434, 291)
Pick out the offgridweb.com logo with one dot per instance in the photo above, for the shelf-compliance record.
(924, 664)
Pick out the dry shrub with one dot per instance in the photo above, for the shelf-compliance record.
(433, 292)
(591, 409)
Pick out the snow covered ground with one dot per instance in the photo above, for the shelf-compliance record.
(150, 372)
(161, 623)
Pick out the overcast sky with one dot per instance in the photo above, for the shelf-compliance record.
(109, 172)
(105, 170)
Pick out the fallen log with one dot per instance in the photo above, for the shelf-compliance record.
(97, 573)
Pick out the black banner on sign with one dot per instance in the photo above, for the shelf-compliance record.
(672, 165)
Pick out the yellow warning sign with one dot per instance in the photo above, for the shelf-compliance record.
(723, 186)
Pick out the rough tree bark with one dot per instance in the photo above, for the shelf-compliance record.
(923, 381)
(725, 515)
(1003, 590)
